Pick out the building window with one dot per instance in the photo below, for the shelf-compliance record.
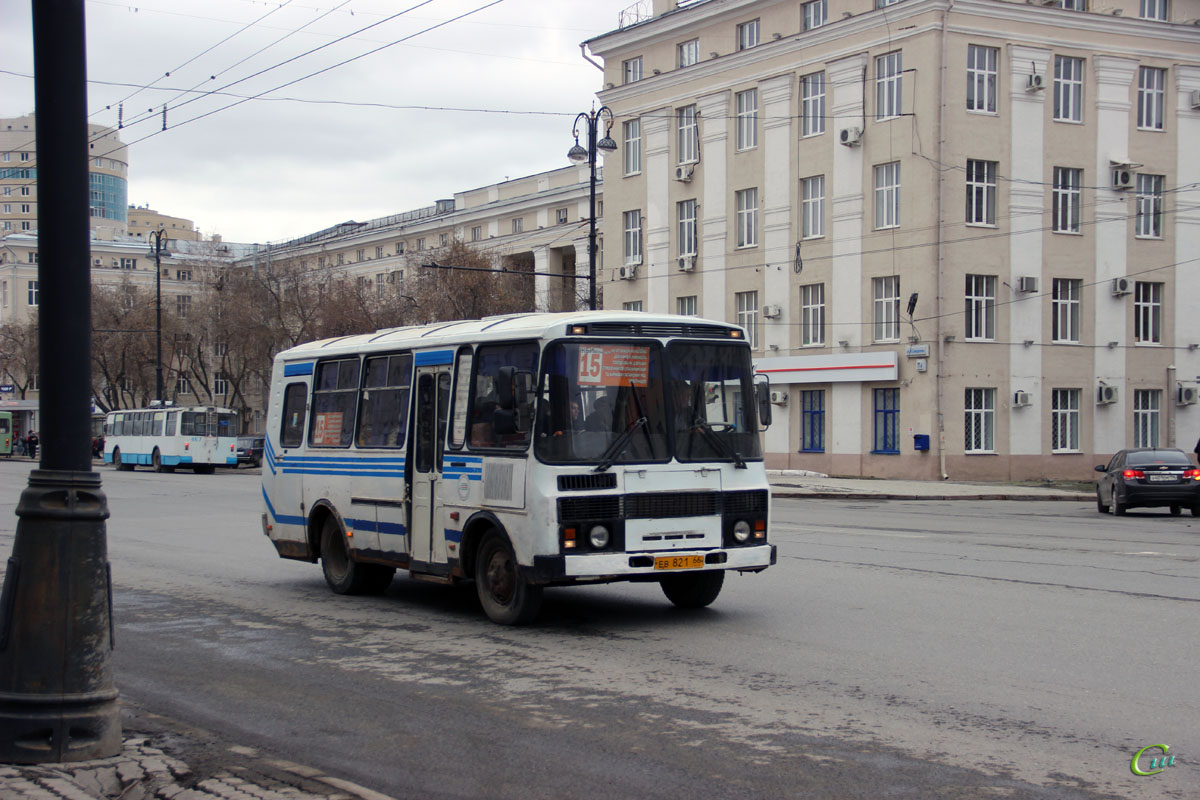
(688, 137)
(7, 206)
(689, 52)
(812, 207)
(1147, 312)
(1073, 5)
(686, 213)
(183, 385)
(747, 217)
(380, 283)
(33, 257)
(887, 195)
(812, 421)
(1146, 405)
(1064, 420)
(360, 254)
(888, 69)
(631, 70)
(183, 305)
(633, 237)
(128, 263)
(476, 233)
(979, 420)
(420, 243)
(1068, 89)
(812, 314)
(1149, 201)
(812, 104)
(747, 119)
(886, 437)
(633, 147)
(518, 224)
(1152, 84)
(886, 292)
(981, 78)
(560, 216)
(814, 14)
(25, 226)
(747, 35)
(747, 316)
(981, 307)
(379, 251)
(220, 349)
(632, 305)
(981, 192)
(1154, 9)
(686, 306)
(183, 274)
(220, 385)
(341, 259)
(32, 297)
(1067, 191)
(24, 208)
(443, 239)
(399, 248)
(1065, 297)
(885, 3)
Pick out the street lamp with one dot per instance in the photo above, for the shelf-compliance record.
(158, 248)
(580, 155)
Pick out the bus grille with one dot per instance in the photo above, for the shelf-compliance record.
(586, 482)
(663, 505)
(686, 330)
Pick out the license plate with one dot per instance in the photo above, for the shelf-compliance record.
(1162, 478)
(679, 562)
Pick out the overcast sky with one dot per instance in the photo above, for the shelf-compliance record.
(361, 140)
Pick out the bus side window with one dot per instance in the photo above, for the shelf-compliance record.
(294, 401)
(157, 425)
(171, 419)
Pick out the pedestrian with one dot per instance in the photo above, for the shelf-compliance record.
(20, 445)
(33, 444)
(1198, 451)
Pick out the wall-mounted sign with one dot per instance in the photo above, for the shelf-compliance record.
(917, 351)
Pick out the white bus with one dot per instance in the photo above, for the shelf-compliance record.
(164, 437)
(520, 452)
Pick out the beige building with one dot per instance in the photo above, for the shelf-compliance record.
(968, 225)
(143, 221)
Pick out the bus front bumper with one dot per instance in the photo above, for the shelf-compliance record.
(626, 566)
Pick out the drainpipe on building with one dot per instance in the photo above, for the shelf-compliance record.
(1168, 400)
(939, 339)
(587, 58)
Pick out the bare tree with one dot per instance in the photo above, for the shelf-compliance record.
(19, 353)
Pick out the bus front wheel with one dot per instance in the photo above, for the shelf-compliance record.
(693, 589)
(119, 464)
(343, 574)
(156, 460)
(507, 598)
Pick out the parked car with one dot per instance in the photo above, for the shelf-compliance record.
(250, 450)
(1148, 477)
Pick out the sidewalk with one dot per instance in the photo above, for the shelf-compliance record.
(801, 483)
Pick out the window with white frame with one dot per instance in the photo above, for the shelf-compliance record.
(688, 135)
(633, 147)
(689, 52)
(1147, 404)
(1149, 199)
(476, 233)
(399, 248)
(981, 192)
(885, 3)
(982, 78)
(220, 348)
(979, 420)
(420, 244)
(812, 104)
(1068, 89)
(631, 70)
(1154, 9)
(815, 14)
(812, 314)
(380, 283)
(1073, 5)
(560, 216)
(32, 295)
(686, 306)
(1152, 83)
(747, 119)
(220, 384)
(747, 35)
(633, 237)
(887, 195)
(980, 307)
(1064, 420)
(379, 251)
(443, 239)
(1066, 200)
(183, 305)
(747, 316)
(812, 207)
(888, 97)
(631, 305)
(1147, 312)
(128, 263)
(686, 214)
(747, 217)
(360, 254)
(886, 291)
(183, 385)
(518, 224)
(1065, 304)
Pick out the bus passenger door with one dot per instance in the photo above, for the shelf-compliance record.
(427, 541)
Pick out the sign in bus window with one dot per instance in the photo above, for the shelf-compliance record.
(334, 403)
(613, 365)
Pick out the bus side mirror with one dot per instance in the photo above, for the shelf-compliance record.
(762, 395)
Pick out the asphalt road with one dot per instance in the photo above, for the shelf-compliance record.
(898, 649)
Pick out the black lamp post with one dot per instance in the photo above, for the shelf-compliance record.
(158, 247)
(579, 155)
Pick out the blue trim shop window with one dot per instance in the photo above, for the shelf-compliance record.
(812, 421)
(887, 421)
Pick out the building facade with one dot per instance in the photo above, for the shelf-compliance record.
(962, 236)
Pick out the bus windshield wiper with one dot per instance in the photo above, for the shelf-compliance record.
(720, 445)
(619, 444)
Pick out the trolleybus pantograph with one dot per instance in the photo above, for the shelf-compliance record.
(164, 437)
(520, 452)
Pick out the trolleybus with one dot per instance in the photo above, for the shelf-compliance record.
(164, 437)
(6, 433)
(520, 452)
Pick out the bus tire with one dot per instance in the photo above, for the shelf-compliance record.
(693, 589)
(507, 598)
(343, 574)
(119, 464)
(156, 460)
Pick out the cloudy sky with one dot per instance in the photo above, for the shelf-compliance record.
(363, 139)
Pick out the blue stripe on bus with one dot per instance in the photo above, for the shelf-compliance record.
(292, 370)
(453, 536)
(453, 476)
(284, 519)
(371, 526)
(433, 358)
(344, 473)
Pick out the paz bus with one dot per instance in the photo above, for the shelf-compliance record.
(520, 452)
(6, 433)
(200, 438)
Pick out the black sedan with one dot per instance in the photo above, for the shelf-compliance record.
(1147, 477)
(250, 450)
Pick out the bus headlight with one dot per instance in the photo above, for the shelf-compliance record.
(741, 531)
(599, 537)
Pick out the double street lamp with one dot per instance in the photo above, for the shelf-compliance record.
(158, 248)
(581, 155)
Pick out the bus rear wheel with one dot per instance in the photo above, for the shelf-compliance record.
(343, 574)
(693, 589)
(507, 598)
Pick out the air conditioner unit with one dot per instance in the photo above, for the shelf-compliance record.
(851, 137)
(686, 263)
(1035, 83)
(1028, 283)
(1122, 178)
(684, 172)
(1021, 399)
(1106, 395)
(1188, 396)
(1120, 286)
(627, 273)
(99, 262)
(1194, 98)
(772, 312)
(779, 397)
(116, 264)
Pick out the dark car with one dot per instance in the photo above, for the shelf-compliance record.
(250, 450)
(1148, 477)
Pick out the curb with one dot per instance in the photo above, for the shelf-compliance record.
(790, 492)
